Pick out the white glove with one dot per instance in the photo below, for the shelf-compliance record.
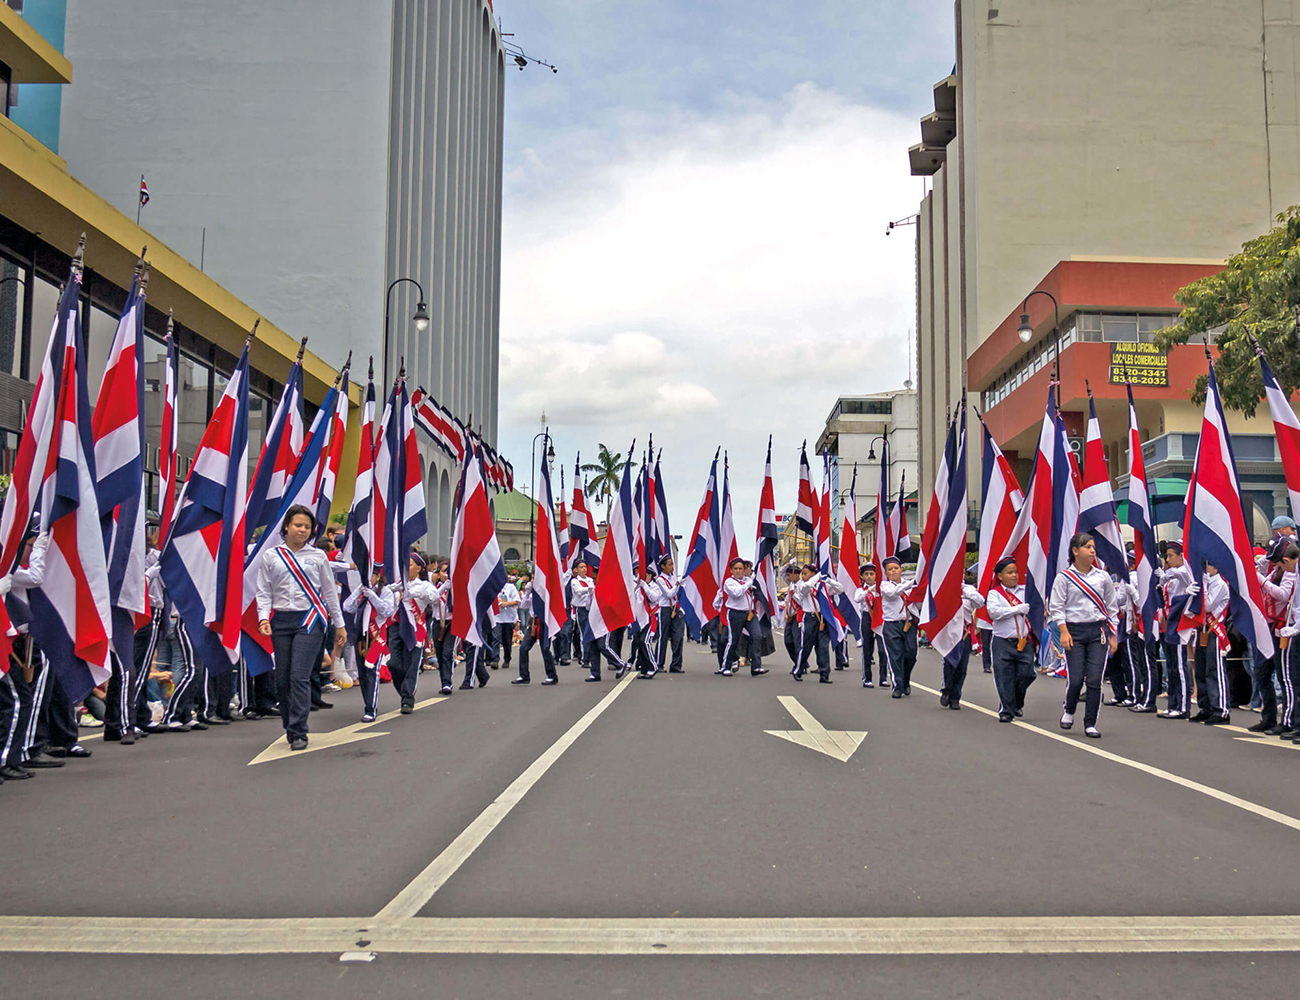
(1288, 631)
(42, 542)
(1193, 590)
(1021, 609)
(6, 584)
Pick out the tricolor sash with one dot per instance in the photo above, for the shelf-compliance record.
(304, 583)
(1085, 588)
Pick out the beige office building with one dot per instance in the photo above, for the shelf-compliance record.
(1118, 147)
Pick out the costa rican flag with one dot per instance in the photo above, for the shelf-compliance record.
(766, 537)
(822, 525)
(71, 611)
(846, 571)
(882, 546)
(699, 578)
(1139, 519)
(1097, 514)
(118, 433)
(548, 569)
(1287, 429)
(441, 427)
(330, 463)
(640, 528)
(356, 535)
(933, 520)
(1040, 541)
(1216, 531)
(804, 512)
(144, 192)
(477, 571)
(582, 535)
(898, 523)
(279, 456)
(1000, 503)
(167, 444)
(255, 646)
(203, 561)
(945, 561)
(660, 532)
(727, 548)
(562, 528)
(616, 588)
(397, 481)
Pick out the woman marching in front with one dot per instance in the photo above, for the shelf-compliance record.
(1083, 605)
(297, 606)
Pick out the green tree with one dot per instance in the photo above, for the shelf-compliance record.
(608, 468)
(1256, 295)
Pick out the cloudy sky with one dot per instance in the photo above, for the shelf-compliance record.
(694, 220)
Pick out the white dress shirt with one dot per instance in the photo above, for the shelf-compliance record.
(970, 600)
(667, 585)
(737, 593)
(380, 600)
(583, 589)
(279, 590)
(1070, 604)
(894, 607)
(507, 615)
(1010, 617)
(1215, 589)
(412, 596)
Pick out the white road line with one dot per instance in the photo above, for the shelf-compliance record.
(411, 900)
(659, 936)
(1177, 779)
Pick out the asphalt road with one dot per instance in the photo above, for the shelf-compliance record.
(653, 839)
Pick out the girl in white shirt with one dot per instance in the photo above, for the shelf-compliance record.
(1013, 641)
(954, 674)
(408, 629)
(1083, 604)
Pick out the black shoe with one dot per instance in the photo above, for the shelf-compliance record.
(126, 739)
(825, 680)
(943, 700)
(1143, 709)
(1019, 714)
(1275, 730)
(321, 703)
(1200, 716)
(798, 677)
(111, 737)
(519, 680)
(408, 708)
(299, 744)
(907, 690)
(620, 672)
(988, 670)
(215, 720)
(839, 668)
(592, 678)
(483, 681)
(14, 773)
(76, 750)
(753, 673)
(58, 752)
(446, 689)
(467, 686)
(549, 681)
(897, 694)
(564, 663)
(42, 762)
(679, 670)
(1217, 720)
(955, 706)
(1258, 727)
(493, 665)
(199, 725)
(1005, 718)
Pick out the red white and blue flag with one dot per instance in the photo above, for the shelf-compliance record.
(356, 536)
(659, 543)
(202, 563)
(804, 511)
(766, 538)
(583, 546)
(846, 570)
(562, 528)
(477, 570)
(548, 569)
(397, 476)
(699, 577)
(279, 456)
(1000, 503)
(1139, 519)
(1216, 530)
(616, 595)
(822, 532)
(329, 471)
(727, 548)
(118, 432)
(1097, 513)
(167, 466)
(882, 545)
(1287, 430)
(442, 428)
(898, 523)
(945, 558)
(71, 617)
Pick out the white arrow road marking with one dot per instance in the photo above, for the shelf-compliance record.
(813, 735)
(335, 738)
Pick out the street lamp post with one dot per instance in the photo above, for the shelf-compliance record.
(420, 319)
(547, 455)
(1026, 332)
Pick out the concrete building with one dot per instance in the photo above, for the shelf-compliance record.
(855, 428)
(1118, 148)
(43, 211)
(306, 154)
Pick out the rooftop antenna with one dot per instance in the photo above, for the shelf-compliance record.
(517, 54)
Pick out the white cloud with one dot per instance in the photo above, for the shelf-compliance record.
(716, 280)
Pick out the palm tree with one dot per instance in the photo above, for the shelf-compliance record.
(609, 470)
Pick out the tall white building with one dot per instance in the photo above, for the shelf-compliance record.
(308, 153)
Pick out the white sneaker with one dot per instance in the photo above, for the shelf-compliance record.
(367, 718)
(1067, 720)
